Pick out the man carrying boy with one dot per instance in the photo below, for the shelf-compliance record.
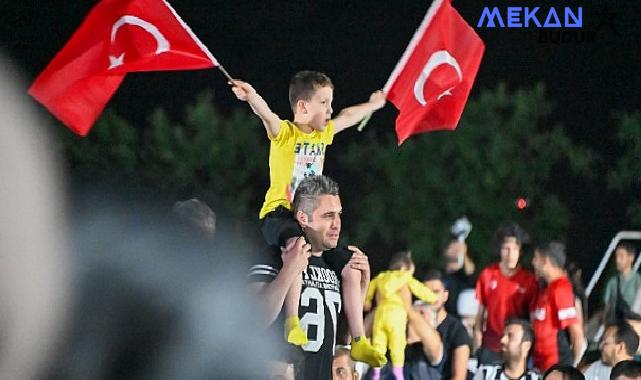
(297, 150)
(317, 209)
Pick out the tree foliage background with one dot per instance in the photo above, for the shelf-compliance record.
(506, 146)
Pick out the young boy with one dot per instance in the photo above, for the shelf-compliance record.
(390, 319)
(297, 150)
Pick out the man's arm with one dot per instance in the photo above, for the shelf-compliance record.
(577, 340)
(352, 115)
(459, 362)
(272, 295)
(478, 327)
(245, 92)
(429, 337)
(360, 262)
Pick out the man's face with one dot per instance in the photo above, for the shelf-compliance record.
(319, 107)
(539, 263)
(453, 255)
(341, 369)
(624, 260)
(510, 253)
(324, 227)
(609, 347)
(512, 345)
(439, 290)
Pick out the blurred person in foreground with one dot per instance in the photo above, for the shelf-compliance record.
(152, 301)
(34, 260)
(516, 344)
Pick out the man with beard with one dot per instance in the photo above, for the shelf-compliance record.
(516, 343)
(557, 332)
(504, 290)
(619, 343)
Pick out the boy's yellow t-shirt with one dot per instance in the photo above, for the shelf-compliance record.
(293, 155)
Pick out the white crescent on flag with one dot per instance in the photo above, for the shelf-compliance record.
(162, 44)
(441, 57)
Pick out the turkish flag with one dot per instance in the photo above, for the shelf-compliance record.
(432, 81)
(117, 37)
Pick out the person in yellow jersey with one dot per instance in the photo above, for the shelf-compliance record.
(390, 318)
(297, 150)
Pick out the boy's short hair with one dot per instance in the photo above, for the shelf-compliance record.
(510, 230)
(304, 84)
(628, 247)
(401, 260)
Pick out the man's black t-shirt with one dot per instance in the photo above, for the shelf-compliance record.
(319, 309)
(453, 335)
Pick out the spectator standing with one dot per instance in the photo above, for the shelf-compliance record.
(619, 343)
(625, 283)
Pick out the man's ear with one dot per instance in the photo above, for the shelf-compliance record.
(302, 218)
(526, 346)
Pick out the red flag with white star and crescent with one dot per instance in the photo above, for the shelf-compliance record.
(117, 37)
(433, 79)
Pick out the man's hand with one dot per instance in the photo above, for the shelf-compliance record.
(243, 90)
(360, 261)
(296, 253)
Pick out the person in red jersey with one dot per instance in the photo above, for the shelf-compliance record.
(504, 290)
(558, 335)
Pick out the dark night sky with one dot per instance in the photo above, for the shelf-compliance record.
(358, 43)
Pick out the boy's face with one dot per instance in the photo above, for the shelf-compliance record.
(319, 108)
(510, 252)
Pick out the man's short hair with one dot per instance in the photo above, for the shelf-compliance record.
(344, 351)
(432, 274)
(528, 333)
(569, 372)
(628, 247)
(555, 251)
(510, 230)
(400, 260)
(625, 334)
(627, 368)
(196, 213)
(308, 191)
(304, 84)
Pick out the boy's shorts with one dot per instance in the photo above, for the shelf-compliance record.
(279, 226)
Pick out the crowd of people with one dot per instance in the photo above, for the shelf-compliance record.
(314, 311)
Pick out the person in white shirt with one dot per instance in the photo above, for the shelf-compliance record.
(619, 343)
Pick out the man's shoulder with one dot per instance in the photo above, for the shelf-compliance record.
(266, 267)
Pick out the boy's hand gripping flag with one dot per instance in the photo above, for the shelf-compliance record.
(117, 37)
(432, 81)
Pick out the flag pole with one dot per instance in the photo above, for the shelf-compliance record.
(406, 54)
(225, 73)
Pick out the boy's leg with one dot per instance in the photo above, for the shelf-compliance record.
(352, 295)
(294, 333)
(361, 350)
(278, 226)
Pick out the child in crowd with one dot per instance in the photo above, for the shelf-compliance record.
(297, 150)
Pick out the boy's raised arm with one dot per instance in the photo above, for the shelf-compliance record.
(350, 116)
(245, 92)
